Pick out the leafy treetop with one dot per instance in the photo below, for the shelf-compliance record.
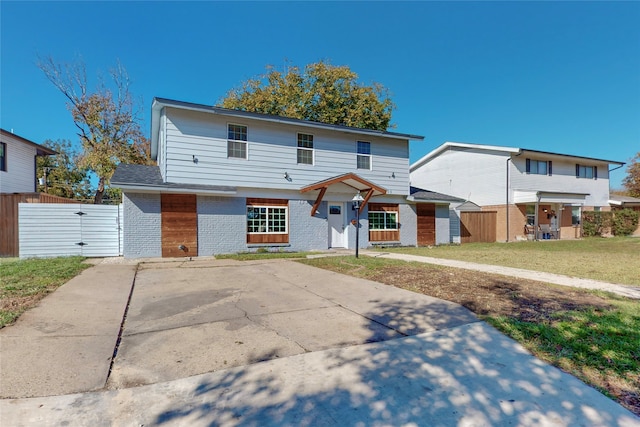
(321, 92)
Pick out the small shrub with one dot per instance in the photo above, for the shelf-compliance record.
(625, 222)
(596, 223)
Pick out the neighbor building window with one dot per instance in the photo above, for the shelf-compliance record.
(3, 156)
(531, 214)
(538, 167)
(575, 215)
(588, 172)
(267, 221)
(384, 223)
(305, 149)
(237, 141)
(364, 155)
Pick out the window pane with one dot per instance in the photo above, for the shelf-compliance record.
(256, 219)
(376, 220)
(237, 132)
(575, 215)
(542, 168)
(364, 162)
(305, 156)
(391, 222)
(305, 141)
(364, 147)
(237, 149)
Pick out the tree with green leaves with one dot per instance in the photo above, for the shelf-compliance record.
(60, 174)
(321, 92)
(108, 121)
(632, 181)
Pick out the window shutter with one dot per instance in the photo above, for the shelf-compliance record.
(595, 172)
(549, 166)
(528, 165)
(577, 170)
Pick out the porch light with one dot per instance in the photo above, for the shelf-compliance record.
(357, 202)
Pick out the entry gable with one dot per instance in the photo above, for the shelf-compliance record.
(350, 179)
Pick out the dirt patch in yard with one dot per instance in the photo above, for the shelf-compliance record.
(486, 294)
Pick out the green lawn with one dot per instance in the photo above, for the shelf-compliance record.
(23, 283)
(615, 260)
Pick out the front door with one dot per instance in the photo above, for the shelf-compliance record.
(336, 225)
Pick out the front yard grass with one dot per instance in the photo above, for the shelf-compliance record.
(23, 283)
(613, 260)
(592, 335)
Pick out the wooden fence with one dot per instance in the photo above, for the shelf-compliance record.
(478, 227)
(9, 245)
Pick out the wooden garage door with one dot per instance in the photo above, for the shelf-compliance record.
(179, 225)
(426, 224)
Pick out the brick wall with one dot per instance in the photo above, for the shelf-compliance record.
(307, 232)
(141, 228)
(409, 225)
(222, 225)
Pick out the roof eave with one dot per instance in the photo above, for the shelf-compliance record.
(159, 103)
(435, 152)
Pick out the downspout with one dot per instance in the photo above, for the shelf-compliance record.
(536, 219)
(507, 198)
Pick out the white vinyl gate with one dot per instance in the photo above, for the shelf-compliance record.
(50, 230)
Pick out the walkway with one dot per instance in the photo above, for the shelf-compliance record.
(557, 279)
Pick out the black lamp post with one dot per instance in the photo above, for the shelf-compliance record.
(357, 201)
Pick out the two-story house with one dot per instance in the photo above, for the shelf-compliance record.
(229, 181)
(18, 163)
(18, 184)
(529, 190)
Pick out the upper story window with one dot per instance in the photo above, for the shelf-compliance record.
(364, 155)
(3, 156)
(305, 149)
(588, 172)
(539, 167)
(237, 141)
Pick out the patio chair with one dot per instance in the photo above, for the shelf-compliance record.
(545, 232)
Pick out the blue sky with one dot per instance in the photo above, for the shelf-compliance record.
(562, 77)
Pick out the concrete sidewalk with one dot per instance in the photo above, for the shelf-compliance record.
(470, 375)
(557, 279)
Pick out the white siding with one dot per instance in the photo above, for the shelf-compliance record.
(470, 174)
(50, 230)
(271, 152)
(563, 178)
(20, 174)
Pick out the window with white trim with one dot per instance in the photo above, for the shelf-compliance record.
(364, 155)
(305, 149)
(267, 219)
(236, 141)
(383, 220)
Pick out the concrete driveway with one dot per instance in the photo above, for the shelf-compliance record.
(190, 318)
(333, 350)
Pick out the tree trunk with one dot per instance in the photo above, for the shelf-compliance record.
(99, 192)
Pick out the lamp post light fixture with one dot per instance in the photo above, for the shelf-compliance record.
(357, 202)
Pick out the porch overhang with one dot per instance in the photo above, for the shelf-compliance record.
(527, 196)
(350, 179)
